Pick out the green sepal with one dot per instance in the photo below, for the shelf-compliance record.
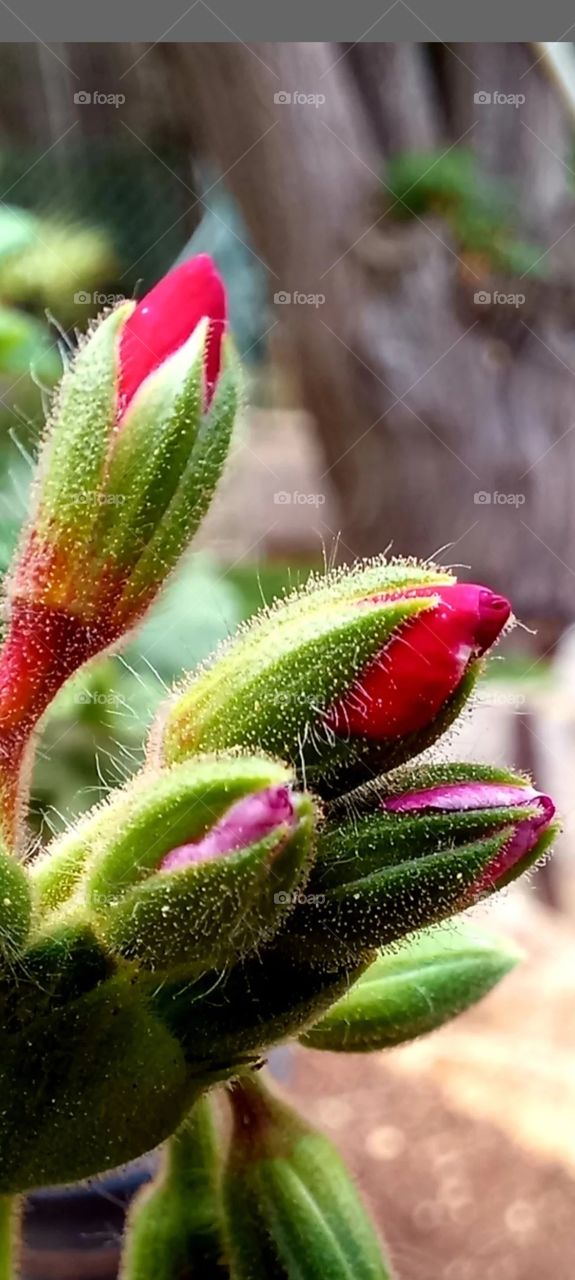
(212, 913)
(56, 967)
(77, 442)
(174, 1224)
(15, 909)
(158, 811)
(291, 1208)
(379, 874)
(412, 990)
(150, 452)
(236, 1016)
(58, 869)
(192, 495)
(369, 840)
(119, 843)
(385, 905)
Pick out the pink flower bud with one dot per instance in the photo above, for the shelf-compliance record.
(164, 320)
(247, 822)
(472, 795)
(405, 687)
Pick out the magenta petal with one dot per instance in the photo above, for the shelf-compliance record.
(460, 796)
(523, 840)
(248, 821)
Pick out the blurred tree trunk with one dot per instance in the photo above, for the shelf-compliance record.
(421, 398)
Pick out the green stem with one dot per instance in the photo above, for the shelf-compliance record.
(173, 1227)
(9, 1237)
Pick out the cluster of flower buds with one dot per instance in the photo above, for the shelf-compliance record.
(137, 439)
(196, 919)
(240, 889)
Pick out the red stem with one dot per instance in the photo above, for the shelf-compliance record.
(43, 648)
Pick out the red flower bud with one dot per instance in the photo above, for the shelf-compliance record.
(164, 320)
(404, 688)
(115, 509)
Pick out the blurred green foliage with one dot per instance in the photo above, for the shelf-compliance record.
(479, 209)
(52, 267)
(142, 195)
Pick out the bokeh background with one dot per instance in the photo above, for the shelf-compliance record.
(396, 228)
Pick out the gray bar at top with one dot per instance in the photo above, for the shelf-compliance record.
(54, 21)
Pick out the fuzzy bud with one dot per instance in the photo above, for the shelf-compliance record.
(416, 849)
(134, 449)
(348, 679)
(291, 1208)
(199, 866)
(412, 990)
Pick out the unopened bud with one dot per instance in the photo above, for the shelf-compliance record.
(291, 1209)
(411, 990)
(202, 863)
(346, 680)
(416, 849)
